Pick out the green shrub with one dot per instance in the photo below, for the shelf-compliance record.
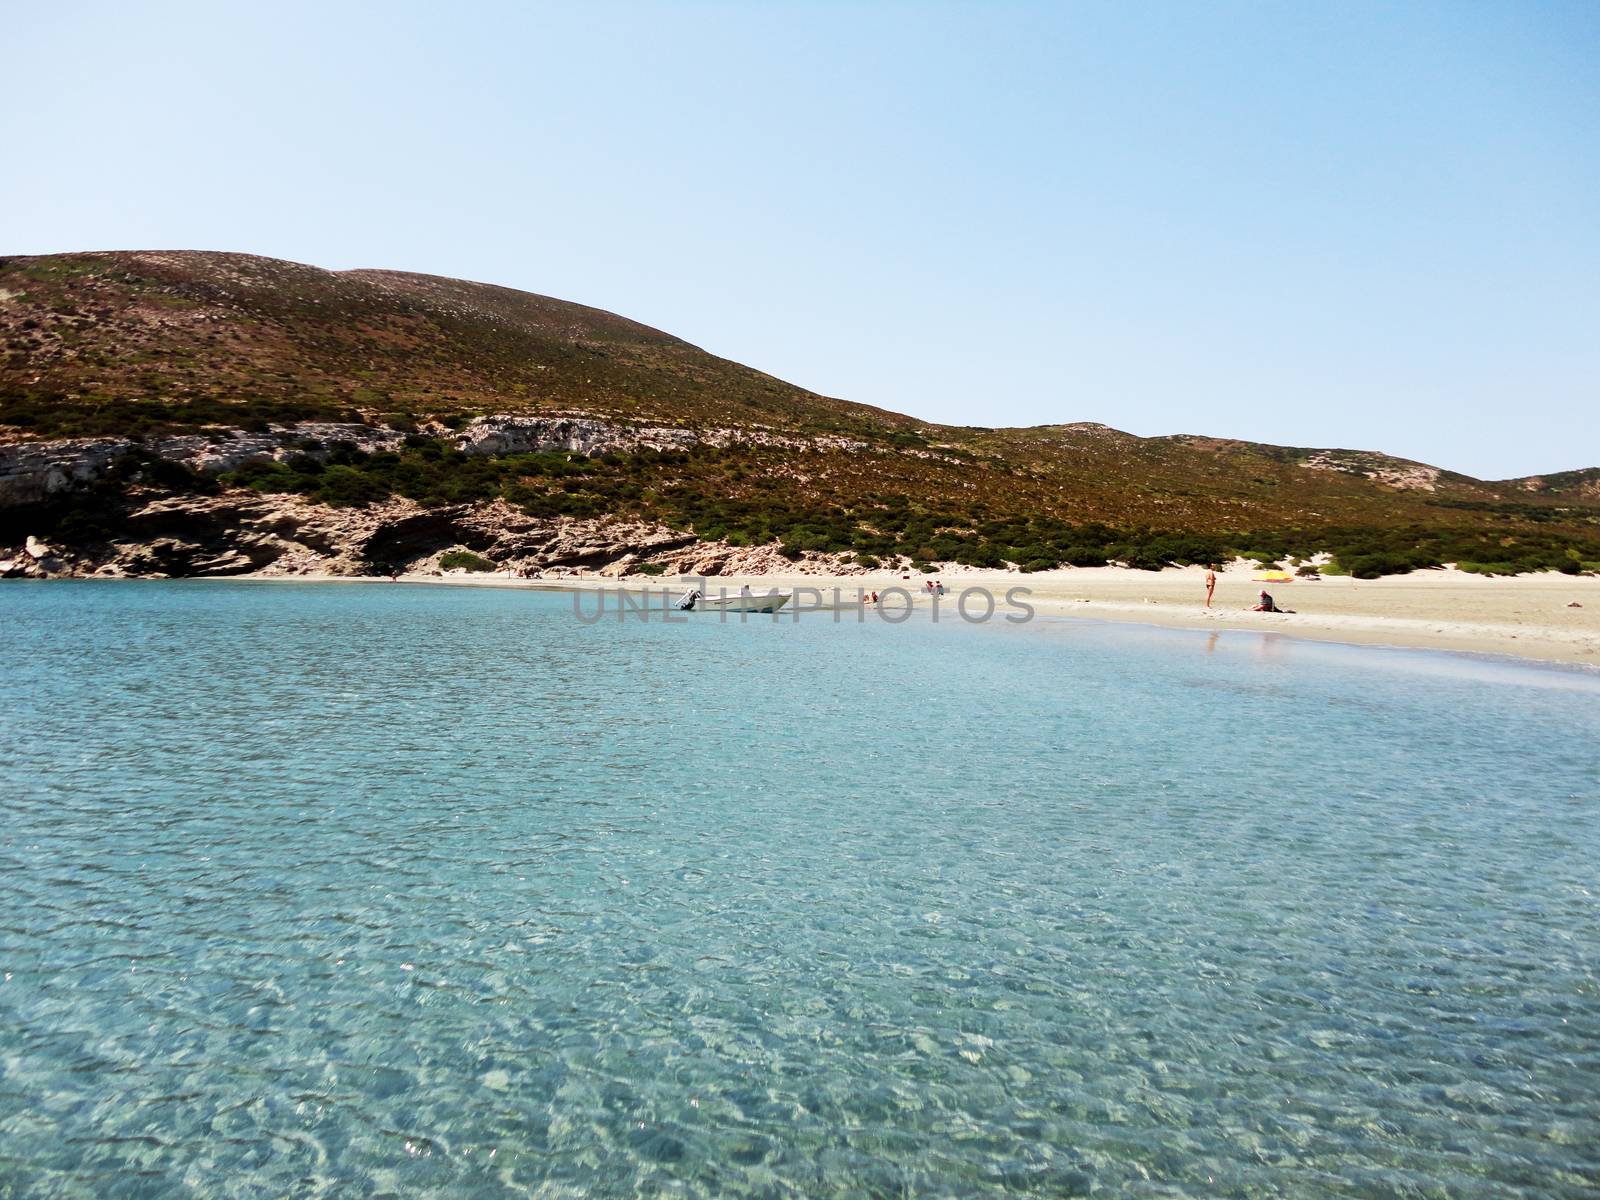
(648, 568)
(51, 415)
(464, 560)
(984, 556)
(273, 478)
(346, 487)
(1083, 556)
(1138, 558)
(1375, 566)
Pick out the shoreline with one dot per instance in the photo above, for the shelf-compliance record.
(1525, 617)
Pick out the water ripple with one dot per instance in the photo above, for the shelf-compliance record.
(318, 891)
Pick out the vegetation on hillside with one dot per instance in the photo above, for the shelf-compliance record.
(720, 494)
(48, 415)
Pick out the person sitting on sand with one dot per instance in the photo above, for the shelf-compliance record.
(1267, 605)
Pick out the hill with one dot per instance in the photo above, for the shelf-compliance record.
(171, 396)
(1575, 485)
(107, 342)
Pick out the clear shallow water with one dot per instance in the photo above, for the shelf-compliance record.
(320, 890)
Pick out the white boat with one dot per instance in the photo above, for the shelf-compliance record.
(744, 601)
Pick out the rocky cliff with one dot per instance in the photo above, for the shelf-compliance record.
(240, 531)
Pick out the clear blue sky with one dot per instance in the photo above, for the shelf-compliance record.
(1339, 224)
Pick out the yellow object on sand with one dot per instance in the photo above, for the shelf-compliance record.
(1275, 577)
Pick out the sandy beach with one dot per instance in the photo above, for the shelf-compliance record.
(1525, 616)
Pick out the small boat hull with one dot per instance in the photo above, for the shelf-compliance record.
(748, 603)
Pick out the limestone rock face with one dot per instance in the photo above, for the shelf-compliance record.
(579, 435)
(36, 472)
(149, 533)
(508, 434)
(242, 532)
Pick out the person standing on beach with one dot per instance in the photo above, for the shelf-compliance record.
(1211, 584)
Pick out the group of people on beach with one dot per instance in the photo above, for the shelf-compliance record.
(933, 587)
(1264, 604)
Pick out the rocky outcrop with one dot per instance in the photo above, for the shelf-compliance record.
(1397, 473)
(143, 531)
(37, 472)
(506, 434)
(241, 532)
(34, 560)
(1568, 485)
(579, 435)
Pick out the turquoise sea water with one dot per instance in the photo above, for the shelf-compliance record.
(390, 890)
